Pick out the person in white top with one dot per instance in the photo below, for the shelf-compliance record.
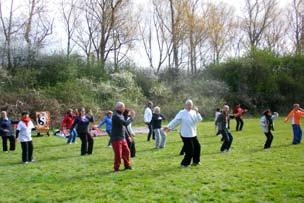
(188, 119)
(148, 119)
(267, 125)
(24, 134)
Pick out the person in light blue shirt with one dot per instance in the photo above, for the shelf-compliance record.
(108, 122)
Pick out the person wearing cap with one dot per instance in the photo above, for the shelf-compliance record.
(295, 116)
(188, 118)
(6, 132)
(148, 118)
(118, 137)
(107, 120)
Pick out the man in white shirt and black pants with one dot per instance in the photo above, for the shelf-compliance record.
(148, 119)
(188, 119)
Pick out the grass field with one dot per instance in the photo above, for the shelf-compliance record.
(246, 174)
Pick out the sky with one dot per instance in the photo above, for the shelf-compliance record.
(57, 42)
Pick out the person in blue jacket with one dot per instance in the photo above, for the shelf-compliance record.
(6, 132)
(107, 120)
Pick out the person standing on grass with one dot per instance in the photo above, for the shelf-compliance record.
(238, 114)
(130, 134)
(82, 123)
(66, 123)
(6, 132)
(266, 123)
(222, 125)
(108, 121)
(295, 116)
(188, 119)
(24, 135)
(160, 135)
(118, 139)
(148, 119)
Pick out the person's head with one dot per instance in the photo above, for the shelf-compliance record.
(25, 114)
(120, 107)
(82, 111)
(238, 105)
(150, 104)
(126, 113)
(226, 108)
(70, 111)
(156, 110)
(189, 105)
(218, 110)
(3, 114)
(296, 106)
(109, 113)
(267, 112)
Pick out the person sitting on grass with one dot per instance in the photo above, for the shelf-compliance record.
(118, 139)
(222, 124)
(295, 116)
(6, 132)
(130, 134)
(188, 118)
(24, 135)
(108, 121)
(266, 123)
(160, 135)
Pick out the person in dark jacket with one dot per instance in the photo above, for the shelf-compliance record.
(130, 134)
(160, 135)
(6, 132)
(81, 123)
(118, 139)
(222, 125)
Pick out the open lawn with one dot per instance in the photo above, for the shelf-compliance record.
(246, 174)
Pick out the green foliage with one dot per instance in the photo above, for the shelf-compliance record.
(246, 174)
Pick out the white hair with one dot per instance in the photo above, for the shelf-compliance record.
(189, 101)
(119, 104)
(156, 109)
(226, 107)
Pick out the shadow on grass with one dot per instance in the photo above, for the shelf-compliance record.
(273, 147)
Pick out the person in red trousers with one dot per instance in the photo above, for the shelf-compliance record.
(118, 139)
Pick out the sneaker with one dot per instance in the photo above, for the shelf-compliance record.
(128, 168)
(183, 166)
(26, 162)
(196, 164)
(33, 160)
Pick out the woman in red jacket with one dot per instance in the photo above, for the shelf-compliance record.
(66, 123)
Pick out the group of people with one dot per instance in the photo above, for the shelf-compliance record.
(118, 127)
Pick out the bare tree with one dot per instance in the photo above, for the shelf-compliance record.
(259, 16)
(70, 14)
(295, 18)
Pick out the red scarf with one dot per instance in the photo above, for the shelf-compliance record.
(26, 120)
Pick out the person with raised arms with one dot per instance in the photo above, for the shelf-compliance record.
(267, 126)
(295, 116)
(188, 118)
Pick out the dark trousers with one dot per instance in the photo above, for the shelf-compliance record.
(11, 141)
(87, 143)
(269, 140)
(27, 151)
(239, 123)
(131, 145)
(151, 132)
(227, 137)
(109, 134)
(192, 150)
(182, 152)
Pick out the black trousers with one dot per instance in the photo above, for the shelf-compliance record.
(182, 151)
(269, 139)
(131, 145)
(87, 143)
(27, 151)
(192, 150)
(11, 141)
(151, 132)
(239, 123)
(227, 137)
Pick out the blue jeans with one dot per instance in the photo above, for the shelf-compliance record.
(297, 134)
(72, 137)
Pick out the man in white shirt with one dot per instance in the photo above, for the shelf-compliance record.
(148, 119)
(188, 119)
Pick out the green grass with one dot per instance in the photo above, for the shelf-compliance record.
(246, 174)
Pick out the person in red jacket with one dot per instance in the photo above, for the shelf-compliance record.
(238, 114)
(67, 123)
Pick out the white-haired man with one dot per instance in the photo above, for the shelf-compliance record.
(188, 119)
(222, 125)
(118, 140)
